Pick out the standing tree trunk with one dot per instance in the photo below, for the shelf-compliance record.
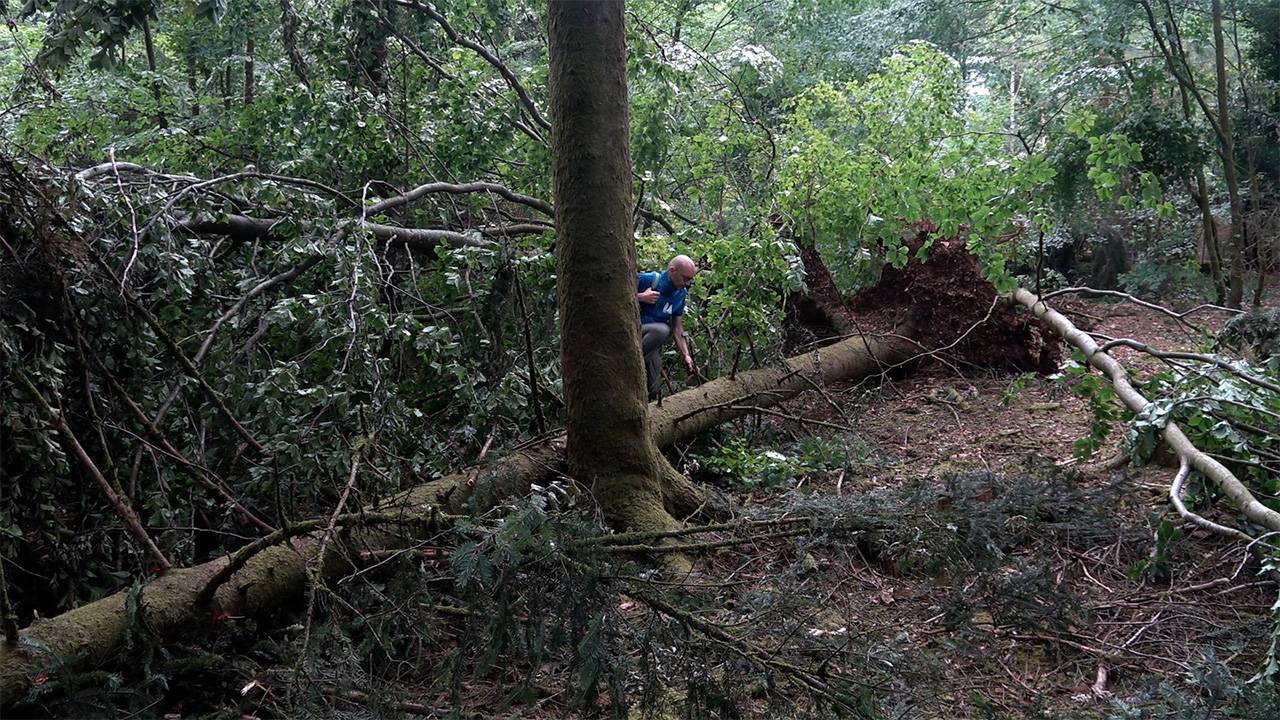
(149, 43)
(1176, 58)
(1209, 236)
(1227, 148)
(1208, 229)
(226, 87)
(248, 71)
(369, 22)
(192, 84)
(290, 23)
(1251, 229)
(608, 446)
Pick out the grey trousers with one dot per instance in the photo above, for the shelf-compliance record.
(652, 337)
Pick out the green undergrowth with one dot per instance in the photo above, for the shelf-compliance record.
(774, 462)
(527, 612)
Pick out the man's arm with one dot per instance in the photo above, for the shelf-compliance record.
(649, 296)
(681, 345)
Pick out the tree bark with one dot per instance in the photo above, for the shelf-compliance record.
(1236, 297)
(149, 43)
(608, 446)
(249, 74)
(91, 634)
(1250, 229)
(226, 88)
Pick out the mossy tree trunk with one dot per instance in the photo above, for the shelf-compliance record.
(608, 442)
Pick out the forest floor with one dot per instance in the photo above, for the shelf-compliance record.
(1020, 582)
(1085, 616)
(1140, 623)
(1016, 581)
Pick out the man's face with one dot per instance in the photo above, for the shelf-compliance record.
(681, 276)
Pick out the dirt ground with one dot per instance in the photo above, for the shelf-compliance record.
(1077, 607)
(1208, 608)
(1000, 577)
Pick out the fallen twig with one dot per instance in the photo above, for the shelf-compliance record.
(360, 698)
(794, 418)
(113, 498)
(710, 545)
(648, 535)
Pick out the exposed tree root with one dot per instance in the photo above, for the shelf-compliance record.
(959, 315)
(631, 503)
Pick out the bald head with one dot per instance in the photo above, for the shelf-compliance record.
(683, 263)
(681, 271)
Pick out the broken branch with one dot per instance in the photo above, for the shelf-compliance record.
(113, 498)
(1172, 434)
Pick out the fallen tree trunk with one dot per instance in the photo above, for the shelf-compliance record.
(1134, 400)
(168, 607)
(685, 414)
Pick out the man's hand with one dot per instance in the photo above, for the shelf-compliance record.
(648, 297)
(690, 365)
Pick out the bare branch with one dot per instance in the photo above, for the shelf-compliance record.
(94, 171)
(426, 238)
(188, 367)
(516, 229)
(1181, 317)
(415, 48)
(541, 206)
(512, 81)
(1186, 80)
(1197, 357)
(1175, 497)
(114, 498)
(245, 228)
(202, 474)
(1172, 434)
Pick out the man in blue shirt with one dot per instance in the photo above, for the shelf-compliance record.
(661, 298)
